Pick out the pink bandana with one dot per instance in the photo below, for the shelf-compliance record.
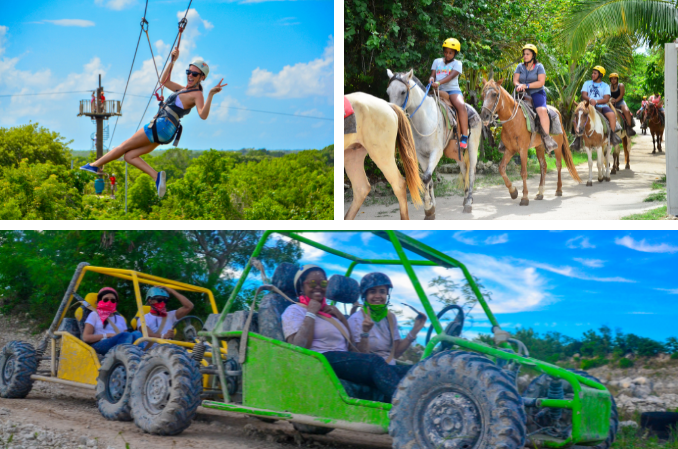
(106, 309)
(305, 300)
(159, 309)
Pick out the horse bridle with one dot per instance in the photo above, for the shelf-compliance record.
(494, 109)
(407, 97)
(584, 127)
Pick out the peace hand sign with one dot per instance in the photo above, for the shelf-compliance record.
(216, 89)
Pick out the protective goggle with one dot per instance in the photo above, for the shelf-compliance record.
(313, 283)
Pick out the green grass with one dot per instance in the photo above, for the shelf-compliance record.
(653, 214)
(656, 196)
(630, 438)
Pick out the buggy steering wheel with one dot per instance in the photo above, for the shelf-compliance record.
(453, 329)
(187, 328)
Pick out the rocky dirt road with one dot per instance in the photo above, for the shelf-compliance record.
(622, 196)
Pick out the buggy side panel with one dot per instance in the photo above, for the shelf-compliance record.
(595, 418)
(78, 362)
(283, 377)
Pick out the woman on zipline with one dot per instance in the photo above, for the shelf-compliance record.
(166, 123)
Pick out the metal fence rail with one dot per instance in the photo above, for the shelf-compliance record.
(110, 107)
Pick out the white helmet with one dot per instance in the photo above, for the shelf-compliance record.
(202, 65)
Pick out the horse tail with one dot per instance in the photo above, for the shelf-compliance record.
(567, 155)
(408, 154)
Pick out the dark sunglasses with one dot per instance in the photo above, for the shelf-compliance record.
(159, 299)
(108, 299)
(312, 283)
(190, 72)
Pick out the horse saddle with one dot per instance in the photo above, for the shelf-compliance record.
(534, 125)
(450, 113)
(350, 126)
(620, 116)
(606, 123)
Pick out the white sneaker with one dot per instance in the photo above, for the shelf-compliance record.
(162, 185)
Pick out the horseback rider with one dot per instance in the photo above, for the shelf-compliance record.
(530, 78)
(642, 105)
(656, 99)
(617, 91)
(445, 74)
(597, 93)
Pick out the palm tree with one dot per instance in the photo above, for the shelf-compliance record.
(653, 21)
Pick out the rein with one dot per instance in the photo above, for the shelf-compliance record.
(415, 111)
(501, 99)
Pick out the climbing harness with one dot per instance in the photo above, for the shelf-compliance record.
(182, 26)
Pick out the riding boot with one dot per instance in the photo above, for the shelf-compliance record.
(549, 143)
(615, 139)
(576, 144)
(629, 130)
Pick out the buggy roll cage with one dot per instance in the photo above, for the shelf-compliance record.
(433, 258)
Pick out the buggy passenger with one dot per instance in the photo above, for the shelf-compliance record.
(315, 325)
(160, 322)
(375, 328)
(105, 328)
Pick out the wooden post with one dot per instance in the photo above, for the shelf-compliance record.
(100, 123)
(671, 128)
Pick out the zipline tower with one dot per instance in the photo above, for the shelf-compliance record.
(100, 111)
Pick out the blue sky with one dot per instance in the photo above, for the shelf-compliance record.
(569, 281)
(275, 56)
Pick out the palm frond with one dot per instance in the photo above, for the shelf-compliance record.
(590, 19)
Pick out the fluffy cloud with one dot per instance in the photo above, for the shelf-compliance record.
(115, 5)
(462, 237)
(304, 79)
(645, 247)
(227, 111)
(576, 274)
(3, 32)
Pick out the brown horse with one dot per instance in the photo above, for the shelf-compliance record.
(380, 126)
(656, 126)
(589, 126)
(517, 139)
(625, 141)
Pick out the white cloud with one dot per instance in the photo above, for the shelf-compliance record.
(71, 22)
(645, 247)
(671, 291)
(303, 79)
(574, 273)
(115, 5)
(579, 242)
(226, 112)
(496, 239)
(591, 263)
(461, 237)
(310, 113)
(288, 21)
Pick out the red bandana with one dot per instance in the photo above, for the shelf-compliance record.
(305, 300)
(159, 309)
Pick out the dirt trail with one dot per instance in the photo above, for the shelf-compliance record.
(622, 196)
(72, 415)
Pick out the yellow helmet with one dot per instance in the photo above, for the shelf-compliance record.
(530, 47)
(601, 69)
(452, 43)
(614, 75)
(644, 97)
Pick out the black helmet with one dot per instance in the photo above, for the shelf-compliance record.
(372, 280)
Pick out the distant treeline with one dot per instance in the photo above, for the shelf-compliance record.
(37, 182)
(554, 346)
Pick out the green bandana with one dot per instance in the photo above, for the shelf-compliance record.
(376, 311)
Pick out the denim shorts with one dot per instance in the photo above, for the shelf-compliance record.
(538, 99)
(619, 104)
(604, 108)
(165, 129)
(453, 92)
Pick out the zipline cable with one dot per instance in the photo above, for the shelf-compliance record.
(48, 93)
(163, 67)
(129, 76)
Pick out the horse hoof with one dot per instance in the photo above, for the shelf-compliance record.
(514, 194)
(628, 167)
(600, 179)
(607, 179)
(524, 202)
(613, 172)
(430, 214)
(468, 209)
(539, 197)
(589, 184)
(559, 193)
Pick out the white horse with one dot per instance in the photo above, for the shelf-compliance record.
(432, 137)
(379, 126)
(589, 126)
